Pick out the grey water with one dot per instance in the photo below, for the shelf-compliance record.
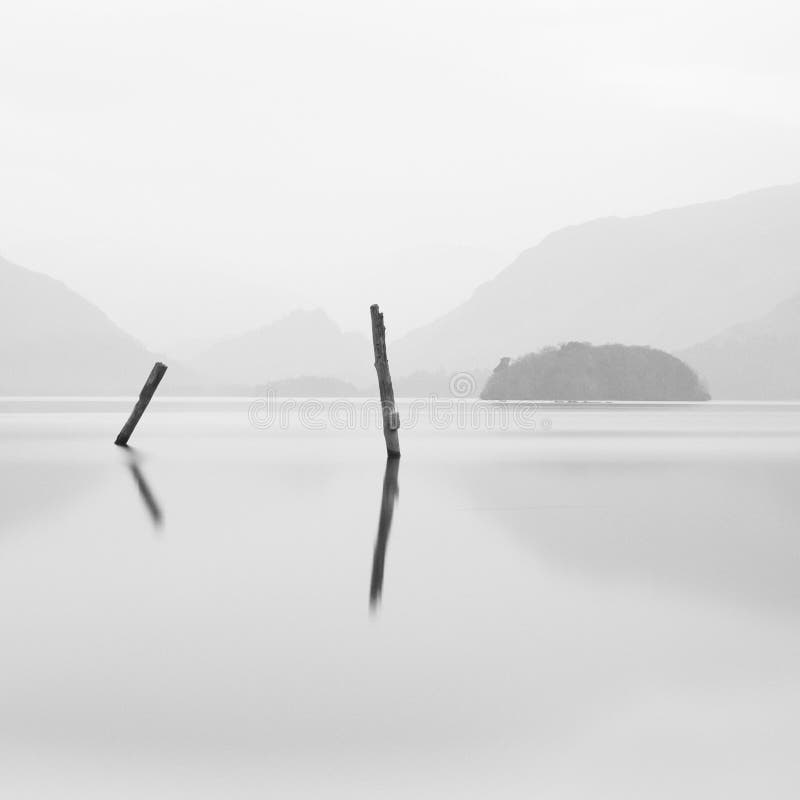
(586, 601)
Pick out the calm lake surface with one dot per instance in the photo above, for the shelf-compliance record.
(578, 602)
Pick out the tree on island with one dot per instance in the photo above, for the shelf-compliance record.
(581, 371)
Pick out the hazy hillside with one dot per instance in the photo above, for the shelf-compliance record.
(53, 342)
(310, 386)
(301, 344)
(581, 371)
(666, 279)
(757, 360)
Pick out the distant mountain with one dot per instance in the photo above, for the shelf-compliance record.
(301, 344)
(419, 384)
(53, 342)
(440, 383)
(581, 371)
(757, 360)
(310, 386)
(667, 279)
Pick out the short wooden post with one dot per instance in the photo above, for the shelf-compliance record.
(151, 384)
(391, 419)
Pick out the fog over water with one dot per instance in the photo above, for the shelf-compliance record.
(601, 604)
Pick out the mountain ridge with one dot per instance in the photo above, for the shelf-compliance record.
(670, 279)
(55, 342)
(303, 343)
(753, 360)
(666, 279)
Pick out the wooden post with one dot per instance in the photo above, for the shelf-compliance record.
(390, 493)
(151, 384)
(391, 419)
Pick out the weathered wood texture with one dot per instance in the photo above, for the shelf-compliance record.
(151, 384)
(391, 419)
(390, 494)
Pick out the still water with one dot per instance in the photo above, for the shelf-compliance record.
(605, 603)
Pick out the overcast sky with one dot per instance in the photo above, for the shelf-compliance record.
(198, 168)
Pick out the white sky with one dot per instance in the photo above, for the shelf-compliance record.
(198, 168)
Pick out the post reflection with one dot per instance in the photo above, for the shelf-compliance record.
(390, 495)
(148, 498)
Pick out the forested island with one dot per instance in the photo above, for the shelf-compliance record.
(581, 371)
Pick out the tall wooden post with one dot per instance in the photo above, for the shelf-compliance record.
(391, 419)
(151, 384)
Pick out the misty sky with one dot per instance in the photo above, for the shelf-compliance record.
(198, 168)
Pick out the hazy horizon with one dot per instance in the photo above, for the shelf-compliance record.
(196, 175)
